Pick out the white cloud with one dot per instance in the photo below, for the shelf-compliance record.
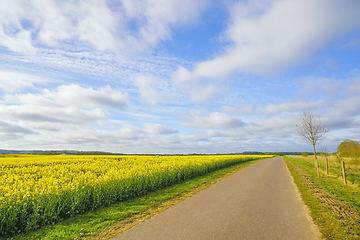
(270, 36)
(199, 90)
(150, 90)
(20, 44)
(41, 126)
(95, 66)
(192, 139)
(74, 96)
(279, 127)
(12, 128)
(123, 26)
(354, 87)
(271, 109)
(214, 120)
(16, 81)
(127, 139)
(203, 93)
(330, 88)
(129, 131)
(348, 107)
(276, 124)
(62, 108)
(67, 104)
(272, 134)
(155, 128)
(68, 115)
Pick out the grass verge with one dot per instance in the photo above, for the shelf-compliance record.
(107, 222)
(333, 205)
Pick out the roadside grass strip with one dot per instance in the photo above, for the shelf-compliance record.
(335, 207)
(41, 191)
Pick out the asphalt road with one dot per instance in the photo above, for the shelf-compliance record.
(258, 202)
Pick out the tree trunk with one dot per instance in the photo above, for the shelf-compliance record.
(314, 150)
(327, 166)
(344, 172)
(316, 162)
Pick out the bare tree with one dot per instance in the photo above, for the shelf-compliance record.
(312, 130)
(324, 152)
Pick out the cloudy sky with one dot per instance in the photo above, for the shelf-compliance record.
(177, 76)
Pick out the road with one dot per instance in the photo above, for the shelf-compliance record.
(258, 202)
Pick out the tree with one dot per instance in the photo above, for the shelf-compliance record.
(349, 148)
(312, 130)
(324, 152)
(304, 154)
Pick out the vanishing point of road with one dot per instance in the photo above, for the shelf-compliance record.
(258, 202)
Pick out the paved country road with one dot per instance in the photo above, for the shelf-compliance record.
(258, 202)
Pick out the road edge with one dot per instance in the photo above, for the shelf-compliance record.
(306, 207)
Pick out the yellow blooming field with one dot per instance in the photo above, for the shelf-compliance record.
(38, 190)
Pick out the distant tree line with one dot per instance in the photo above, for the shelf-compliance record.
(56, 152)
(74, 152)
(276, 153)
(96, 153)
(3, 151)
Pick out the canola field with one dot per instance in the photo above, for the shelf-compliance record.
(40, 190)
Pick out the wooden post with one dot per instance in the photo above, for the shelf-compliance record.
(343, 169)
(317, 168)
(327, 166)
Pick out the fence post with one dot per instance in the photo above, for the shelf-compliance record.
(327, 166)
(317, 168)
(343, 169)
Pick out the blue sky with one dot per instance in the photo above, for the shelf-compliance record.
(179, 76)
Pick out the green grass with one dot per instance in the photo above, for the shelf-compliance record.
(329, 200)
(107, 222)
(352, 168)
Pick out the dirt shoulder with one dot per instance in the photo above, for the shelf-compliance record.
(335, 218)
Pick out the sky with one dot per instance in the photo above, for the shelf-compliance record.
(177, 76)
